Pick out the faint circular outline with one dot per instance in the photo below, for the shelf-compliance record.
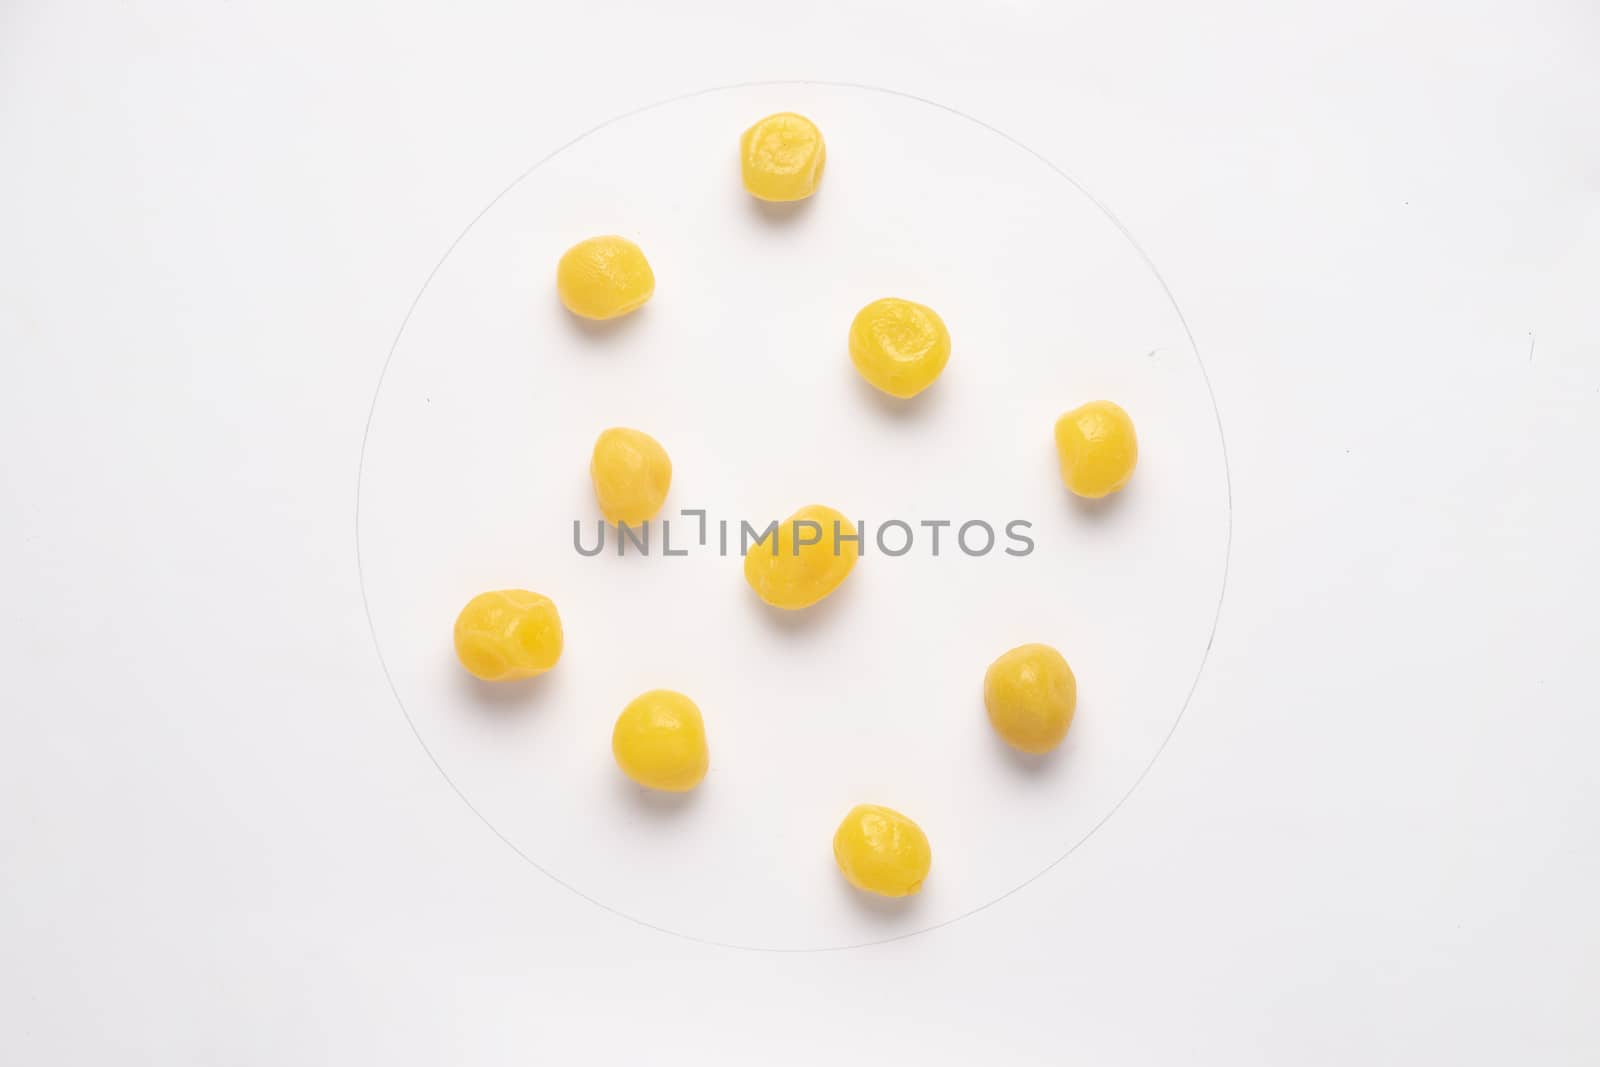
(1222, 441)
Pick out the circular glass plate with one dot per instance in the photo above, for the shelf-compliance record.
(475, 469)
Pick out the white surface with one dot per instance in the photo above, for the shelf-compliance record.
(477, 466)
(1373, 837)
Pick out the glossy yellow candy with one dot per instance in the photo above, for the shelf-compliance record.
(631, 475)
(1030, 694)
(604, 277)
(509, 634)
(1097, 447)
(881, 851)
(660, 742)
(808, 561)
(899, 346)
(782, 157)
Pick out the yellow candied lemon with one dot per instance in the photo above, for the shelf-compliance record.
(631, 474)
(809, 555)
(1030, 694)
(1097, 447)
(881, 851)
(507, 635)
(782, 157)
(604, 277)
(660, 742)
(899, 346)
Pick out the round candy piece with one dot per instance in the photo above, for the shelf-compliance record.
(1097, 448)
(804, 560)
(604, 277)
(899, 346)
(631, 474)
(507, 635)
(782, 157)
(1030, 694)
(880, 851)
(660, 742)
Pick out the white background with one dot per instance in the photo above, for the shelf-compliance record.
(1373, 837)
